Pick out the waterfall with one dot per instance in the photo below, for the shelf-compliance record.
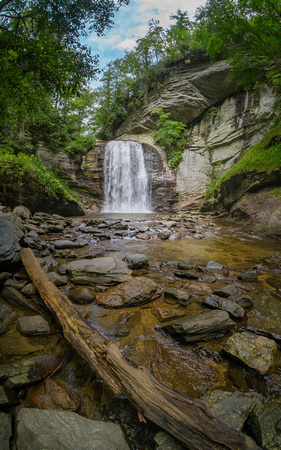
(125, 178)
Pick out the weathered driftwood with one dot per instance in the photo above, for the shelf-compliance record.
(188, 419)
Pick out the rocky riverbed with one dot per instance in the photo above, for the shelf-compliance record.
(195, 301)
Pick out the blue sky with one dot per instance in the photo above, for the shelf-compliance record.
(130, 23)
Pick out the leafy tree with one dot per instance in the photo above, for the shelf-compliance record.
(41, 53)
(248, 34)
(172, 136)
(179, 36)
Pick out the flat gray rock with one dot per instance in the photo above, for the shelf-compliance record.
(34, 326)
(5, 430)
(232, 408)
(65, 243)
(136, 261)
(41, 429)
(202, 327)
(165, 441)
(179, 295)
(106, 271)
(214, 301)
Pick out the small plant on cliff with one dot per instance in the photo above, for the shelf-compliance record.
(17, 169)
(172, 136)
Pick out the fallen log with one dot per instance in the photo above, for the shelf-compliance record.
(188, 419)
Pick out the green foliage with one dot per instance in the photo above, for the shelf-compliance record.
(81, 144)
(23, 167)
(171, 136)
(265, 156)
(248, 34)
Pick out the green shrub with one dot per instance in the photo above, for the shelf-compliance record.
(172, 136)
(21, 167)
(81, 144)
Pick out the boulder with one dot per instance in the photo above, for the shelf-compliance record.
(5, 430)
(243, 300)
(11, 233)
(227, 291)
(249, 276)
(213, 301)
(179, 295)
(82, 295)
(105, 271)
(34, 326)
(29, 371)
(264, 425)
(7, 315)
(134, 292)
(232, 408)
(256, 352)
(202, 327)
(38, 429)
(58, 280)
(22, 212)
(136, 261)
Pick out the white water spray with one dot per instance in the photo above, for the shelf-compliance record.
(125, 178)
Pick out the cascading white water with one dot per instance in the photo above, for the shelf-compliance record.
(125, 178)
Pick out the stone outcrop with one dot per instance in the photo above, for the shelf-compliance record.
(11, 233)
(66, 430)
(108, 271)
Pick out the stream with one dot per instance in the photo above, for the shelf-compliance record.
(174, 245)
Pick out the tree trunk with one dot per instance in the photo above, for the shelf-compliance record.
(188, 419)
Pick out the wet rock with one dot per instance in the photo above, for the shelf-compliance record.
(227, 291)
(107, 271)
(188, 275)
(265, 317)
(202, 327)
(7, 315)
(5, 430)
(213, 301)
(51, 395)
(58, 280)
(65, 243)
(249, 276)
(62, 270)
(29, 371)
(213, 265)
(185, 266)
(34, 326)
(82, 295)
(143, 236)
(136, 261)
(164, 235)
(264, 425)
(29, 290)
(181, 296)
(47, 263)
(17, 284)
(243, 300)
(257, 352)
(232, 408)
(165, 441)
(66, 430)
(11, 233)
(136, 291)
(7, 397)
(22, 212)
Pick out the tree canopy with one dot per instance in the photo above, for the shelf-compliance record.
(41, 53)
(248, 34)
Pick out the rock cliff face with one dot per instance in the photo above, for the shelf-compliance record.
(222, 122)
